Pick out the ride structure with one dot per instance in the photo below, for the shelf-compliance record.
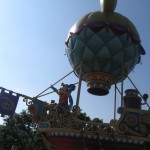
(103, 47)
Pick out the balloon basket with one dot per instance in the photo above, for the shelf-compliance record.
(98, 83)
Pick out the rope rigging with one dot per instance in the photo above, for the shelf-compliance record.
(41, 94)
(52, 91)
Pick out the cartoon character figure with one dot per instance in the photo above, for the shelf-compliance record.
(64, 94)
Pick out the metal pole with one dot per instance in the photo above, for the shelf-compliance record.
(118, 90)
(122, 94)
(115, 103)
(79, 87)
(122, 87)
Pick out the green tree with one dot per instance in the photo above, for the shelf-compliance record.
(20, 130)
(97, 120)
(83, 116)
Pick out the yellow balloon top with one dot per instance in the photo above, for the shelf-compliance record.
(108, 6)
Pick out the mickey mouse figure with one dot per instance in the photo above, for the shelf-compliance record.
(64, 95)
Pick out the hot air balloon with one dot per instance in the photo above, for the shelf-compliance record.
(107, 45)
(103, 47)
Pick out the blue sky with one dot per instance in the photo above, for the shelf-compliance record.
(32, 48)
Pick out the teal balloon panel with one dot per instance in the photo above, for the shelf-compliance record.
(103, 51)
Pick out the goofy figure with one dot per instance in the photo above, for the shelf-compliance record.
(64, 94)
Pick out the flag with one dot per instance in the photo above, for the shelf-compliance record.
(8, 102)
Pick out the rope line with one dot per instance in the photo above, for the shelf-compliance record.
(123, 69)
(39, 95)
(138, 91)
(53, 84)
(118, 90)
(52, 91)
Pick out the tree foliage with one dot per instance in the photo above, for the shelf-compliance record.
(22, 131)
(84, 117)
(97, 120)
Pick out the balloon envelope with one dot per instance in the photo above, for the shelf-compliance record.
(108, 46)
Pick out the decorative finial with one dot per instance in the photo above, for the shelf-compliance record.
(108, 6)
